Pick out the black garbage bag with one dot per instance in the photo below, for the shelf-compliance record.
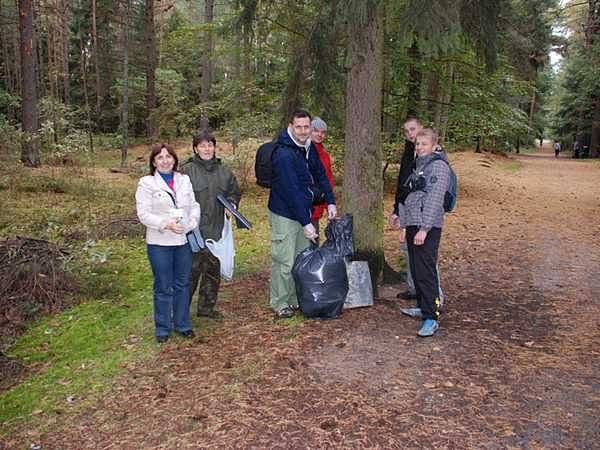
(320, 273)
(339, 236)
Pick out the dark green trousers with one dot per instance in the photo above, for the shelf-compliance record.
(206, 271)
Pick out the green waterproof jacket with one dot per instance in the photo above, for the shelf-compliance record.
(210, 178)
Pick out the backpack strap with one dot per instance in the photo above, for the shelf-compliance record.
(411, 180)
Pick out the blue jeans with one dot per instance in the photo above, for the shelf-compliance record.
(171, 267)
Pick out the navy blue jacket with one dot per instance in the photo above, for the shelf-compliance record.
(293, 177)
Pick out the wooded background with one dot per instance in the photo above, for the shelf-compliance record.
(478, 71)
(79, 76)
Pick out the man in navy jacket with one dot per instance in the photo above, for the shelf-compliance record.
(298, 178)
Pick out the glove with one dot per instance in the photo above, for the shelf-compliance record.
(331, 212)
(310, 232)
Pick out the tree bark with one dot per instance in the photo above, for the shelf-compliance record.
(363, 185)
(11, 59)
(207, 60)
(414, 82)
(30, 152)
(83, 69)
(292, 97)
(446, 99)
(125, 101)
(532, 106)
(65, 62)
(96, 52)
(151, 61)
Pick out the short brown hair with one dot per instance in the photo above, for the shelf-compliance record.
(156, 149)
(203, 136)
(412, 119)
(299, 114)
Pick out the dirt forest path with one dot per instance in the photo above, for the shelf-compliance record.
(515, 364)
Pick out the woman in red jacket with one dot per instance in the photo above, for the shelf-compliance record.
(318, 134)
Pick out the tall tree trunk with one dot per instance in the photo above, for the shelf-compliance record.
(207, 60)
(247, 65)
(435, 91)
(532, 106)
(125, 102)
(40, 68)
(83, 68)
(446, 99)
(363, 185)
(151, 59)
(414, 81)
(65, 62)
(18, 74)
(96, 51)
(10, 62)
(292, 98)
(161, 31)
(30, 151)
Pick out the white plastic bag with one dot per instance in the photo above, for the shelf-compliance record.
(224, 250)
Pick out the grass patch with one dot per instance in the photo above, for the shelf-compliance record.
(75, 354)
(253, 248)
(511, 166)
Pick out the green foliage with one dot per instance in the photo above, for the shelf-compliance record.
(182, 53)
(487, 106)
(578, 86)
(11, 137)
(8, 102)
(268, 54)
(170, 93)
(435, 25)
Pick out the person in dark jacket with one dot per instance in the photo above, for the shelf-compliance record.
(422, 216)
(411, 127)
(298, 176)
(209, 177)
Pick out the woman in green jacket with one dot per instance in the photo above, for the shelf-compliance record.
(209, 177)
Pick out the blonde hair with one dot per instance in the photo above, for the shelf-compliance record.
(430, 133)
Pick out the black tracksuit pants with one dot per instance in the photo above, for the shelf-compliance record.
(423, 263)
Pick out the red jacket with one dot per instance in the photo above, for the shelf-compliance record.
(317, 212)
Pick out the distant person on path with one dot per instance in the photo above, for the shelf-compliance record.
(422, 216)
(209, 177)
(557, 149)
(165, 204)
(411, 128)
(298, 176)
(318, 134)
(576, 149)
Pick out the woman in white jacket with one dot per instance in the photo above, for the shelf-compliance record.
(166, 206)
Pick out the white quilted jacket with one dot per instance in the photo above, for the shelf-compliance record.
(153, 204)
